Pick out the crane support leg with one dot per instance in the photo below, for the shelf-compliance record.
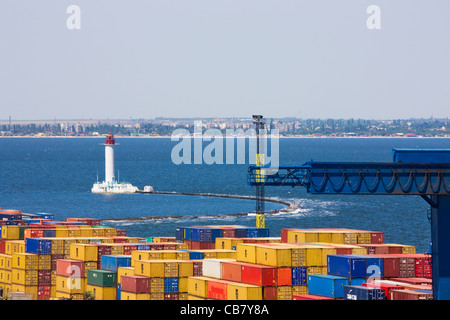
(440, 237)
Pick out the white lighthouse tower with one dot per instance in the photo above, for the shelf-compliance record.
(110, 185)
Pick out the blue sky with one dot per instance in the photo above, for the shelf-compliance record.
(204, 58)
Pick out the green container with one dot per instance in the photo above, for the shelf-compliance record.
(22, 232)
(149, 239)
(102, 278)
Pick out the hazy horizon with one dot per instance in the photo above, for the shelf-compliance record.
(224, 59)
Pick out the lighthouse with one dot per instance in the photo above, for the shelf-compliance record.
(110, 142)
(110, 185)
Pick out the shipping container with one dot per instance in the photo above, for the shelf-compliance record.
(85, 252)
(124, 271)
(327, 285)
(113, 262)
(70, 268)
(407, 294)
(242, 291)
(386, 287)
(102, 293)
(213, 267)
(257, 274)
(70, 285)
(135, 284)
(102, 278)
(232, 271)
(134, 296)
(363, 293)
(198, 286)
(38, 246)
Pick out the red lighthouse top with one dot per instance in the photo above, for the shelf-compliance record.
(110, 139)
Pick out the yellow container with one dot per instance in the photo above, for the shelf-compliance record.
(156, 296)
(157, 286)
(198, 286)
(149, 268)
(243, 291)
(139, 255)
(227, 243)
(98, 232)
(70, 285)
(183, 284)
(86, 232)
(170, 268)
(84, 252)
(57, 245)
(71, 296)
(44, 262)
(102, 293)
(274, 256)
(337, 237)
(325, 252)
(124, 271)
(300, 236)
(246, 252)
(117, 248)
(6, 290)
(61, 233)
(11, 232)
(182, 296)
(324, 236)
(5, 276)
(25, 261)
(24, 277)
(32, 290)
(299, 290)
(134, 296)
(5, 261)
(225, 254)
(90, 265)
(284, 293)
(185, 268)
(14, 246)
(74, 232)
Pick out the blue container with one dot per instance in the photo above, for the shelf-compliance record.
(215, 233)
(374, 266)
(263, 232)
(170, 285)
(42, 215)
(119, 287)
(49, 233)
(349, 266)
(201, 234)
(143, 247)
(363, 293)
(187, 233)
(112, 262)
(179, 233)
(240, 232)
(299, 277)
(357, 281)
(38, 246)
(194, 255)
(327, 285)
(252, 233)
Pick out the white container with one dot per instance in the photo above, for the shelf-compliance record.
(213, 267)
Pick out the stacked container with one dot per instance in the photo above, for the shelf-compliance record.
(102, 284)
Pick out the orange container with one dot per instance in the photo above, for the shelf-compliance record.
(284, 276)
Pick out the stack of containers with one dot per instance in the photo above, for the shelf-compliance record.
(204, 237)
(135, 288)
(102, 284)
(5, 273)
(70, 279)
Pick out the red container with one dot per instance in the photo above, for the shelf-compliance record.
(69, 267)
(309, 297)
(410, 295)
(189, 243)
(269, 293)
(394, 249)
(198, 268)
(121, 233)
(415, 281)
(170, 296)
(103, 249)
(386, 287)
(375, 248)
(136, 284)
(217, 289)
(391, 265)
(2, 245)
(199, 245)
(156, 246)
(44, 277)
(169, 246)
(44, 293)
(228, 233)
(232, 271)
(128, 248)
(259, 275)
(119, 240)
(284, 276)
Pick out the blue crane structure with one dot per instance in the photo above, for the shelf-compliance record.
(420, 172)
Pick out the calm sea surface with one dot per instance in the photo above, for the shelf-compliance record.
(56, 174)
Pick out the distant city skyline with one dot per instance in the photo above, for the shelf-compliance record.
(226, 59)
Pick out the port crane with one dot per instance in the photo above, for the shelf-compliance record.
(420, 172)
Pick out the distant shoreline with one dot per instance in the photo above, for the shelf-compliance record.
(205, 136)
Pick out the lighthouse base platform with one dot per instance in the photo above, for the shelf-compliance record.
(113, 187)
